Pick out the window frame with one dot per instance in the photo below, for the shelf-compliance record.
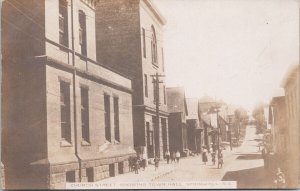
(65, 111)
(85, 126)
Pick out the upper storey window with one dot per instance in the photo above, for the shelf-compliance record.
(82, 33)
(154, 47)
(63, 23)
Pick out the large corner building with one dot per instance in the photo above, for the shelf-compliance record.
(65, 117)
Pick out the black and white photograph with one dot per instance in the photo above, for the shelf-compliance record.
(150, 94)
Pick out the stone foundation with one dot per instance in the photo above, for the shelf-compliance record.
(91, 171)
(100, 168)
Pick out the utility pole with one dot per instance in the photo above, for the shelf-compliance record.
(219, 129)
(156, 81)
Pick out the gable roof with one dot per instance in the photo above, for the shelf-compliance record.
(176, 100)
(192, 107)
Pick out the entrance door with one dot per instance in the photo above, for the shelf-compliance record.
(149, 141)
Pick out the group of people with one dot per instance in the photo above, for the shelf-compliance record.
(174, 156)
(213, 157)
(135, 163)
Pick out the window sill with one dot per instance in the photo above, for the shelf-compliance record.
(64, 143)
(85, 143)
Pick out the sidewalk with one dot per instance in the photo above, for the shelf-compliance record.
(147, 175)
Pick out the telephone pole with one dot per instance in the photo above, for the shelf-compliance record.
(156, 81)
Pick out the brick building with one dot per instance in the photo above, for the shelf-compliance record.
(130, 40)
(291, 86)
(65, 117)
(178, 110)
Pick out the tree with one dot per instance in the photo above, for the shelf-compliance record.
(258, 115)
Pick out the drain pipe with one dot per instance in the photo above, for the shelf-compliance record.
(74, 90)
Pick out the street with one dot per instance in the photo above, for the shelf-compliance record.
(243, 164)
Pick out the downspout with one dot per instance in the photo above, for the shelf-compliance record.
(74, 90)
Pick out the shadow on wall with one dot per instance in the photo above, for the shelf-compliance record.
(254, 178)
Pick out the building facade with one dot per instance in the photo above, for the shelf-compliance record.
(278, 126)
(194, 129)
(291, 84)
(130, 40)
(177, 108)
(66, 117)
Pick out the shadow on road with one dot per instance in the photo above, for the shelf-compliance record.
(254, 178)
(249, 156)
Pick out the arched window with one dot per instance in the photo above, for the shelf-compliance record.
(82, 32)
(154, 46)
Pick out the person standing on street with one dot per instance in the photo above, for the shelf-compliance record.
(173, 157)
(204, 155)
(213, 158)
(177, 156)
(220, 159)
(156, 163)
(168, 156)
(263, 153)
(137, 165)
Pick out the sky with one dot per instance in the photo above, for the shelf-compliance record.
(234, 50)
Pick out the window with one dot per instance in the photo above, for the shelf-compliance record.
(116, 119)
(65, 116)
(63, 23)
(154, 47)
(107, 117)
(144, 43)
(82, 33)
(149, 135)
(163, 59)
(146, 85)
(85, 114)
(165, 101)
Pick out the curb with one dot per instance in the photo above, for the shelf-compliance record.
(163, 174)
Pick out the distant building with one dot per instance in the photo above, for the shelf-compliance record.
(291, 86)
(177, 108)
(224, 129)
(130, 40)
(278, 127)
(206, 103)
(194, 129)
(207, 129)
(65, 117)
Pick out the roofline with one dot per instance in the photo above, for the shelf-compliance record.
(293, 69)
(275, 99)
(156, 12)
